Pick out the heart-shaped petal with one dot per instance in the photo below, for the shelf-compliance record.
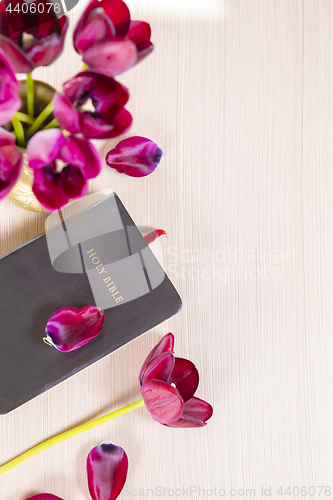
(164, 345)
(162, 400)
(70, 328)
(185, 376)
(107, 466)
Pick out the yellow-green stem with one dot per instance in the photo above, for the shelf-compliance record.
(24, 118)
(40, 119)
(30, 95)
(53, 124)
(19, 132)
(68, 434)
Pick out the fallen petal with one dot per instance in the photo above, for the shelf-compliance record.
(70, 328)
(44, 496)
(185, 376)
(107, 466)
(164, 345)
(162, 400)
(135, 156)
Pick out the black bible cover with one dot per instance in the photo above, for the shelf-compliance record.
(36, 280)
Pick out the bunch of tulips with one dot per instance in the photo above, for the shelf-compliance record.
(90, 106)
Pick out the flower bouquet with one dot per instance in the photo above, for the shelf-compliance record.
(45, 135)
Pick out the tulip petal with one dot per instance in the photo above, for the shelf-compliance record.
(11, 162)
(149, 238)
(140, 32)
(119, 14)
(99, 129)
(159, 368)
(97, 27)
(73, 182)
(162, 400)
(70, 328)
(185, 376)
(107, 466)
(135, 156)
(44, 147)
(17, 57)
(164, 345)
(9, 90)
(83, 154)
(111, 57)
(44, 496)
(195, 414)
(66, 114)
(48, 190)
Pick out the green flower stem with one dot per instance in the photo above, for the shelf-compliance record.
(24, 118)
(68, 434)
(53, 124)
(30, 95)
(40, 119)
(19, 133)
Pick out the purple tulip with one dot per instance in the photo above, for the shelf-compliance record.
(70, 328)
(9, 90)
(168, 385)
(135, 156)
(28, 48)
(11, 161)
(107, 466)
(107, 39)
(92, 105)
(62, 165)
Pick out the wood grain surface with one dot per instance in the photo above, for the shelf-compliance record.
(238, 94)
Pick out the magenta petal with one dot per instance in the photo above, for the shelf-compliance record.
(164, 345)
(119, 124)
(17, 57)
(139, 31)
(48, 190)
(185, 376)
(149, 238)
(70, 328)
(135, 156)
(162, 400)
(195, 414)
(83, 154)
(73, 182)
(44, 147)
(11, 162)
(107, 466)
(9, 90)
(66, 114)
(97, 27)
(159, 368)
(111, 57)
(44, 496)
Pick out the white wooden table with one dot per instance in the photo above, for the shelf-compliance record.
(238, 94)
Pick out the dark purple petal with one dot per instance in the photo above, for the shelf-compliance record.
(149, 238)
(66, 114)
(135, 156)
(9, 90)
(44, 496)
(185, 376)
(44, 147)
(73, 182)
(159, 368)
(111, 57)
(99, 129)
(162, 400)
(107, 466)
(11, 162)
(48, 190)
(164, 345)
(70, 328)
